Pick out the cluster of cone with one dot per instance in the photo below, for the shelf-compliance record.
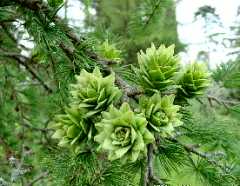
(123, 133)
(90, 95)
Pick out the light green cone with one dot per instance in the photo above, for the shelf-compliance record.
(162, 115)
(94, 92)
(194, 81)
(157, 67)
(109, 51)
(72, 129)
(123, 134)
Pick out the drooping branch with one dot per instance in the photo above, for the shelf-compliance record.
(38, 5)
(22, 60)
(128, 90)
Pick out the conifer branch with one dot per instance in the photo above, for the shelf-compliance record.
(225, 103)
(10, 35)
(149, 173)
(129, 91)
(152, 13)
(22, 60)
(40, 177)
(44, 130)
(192, 149)
(38, 5)
(40, 9)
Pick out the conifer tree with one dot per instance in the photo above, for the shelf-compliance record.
(72, 114)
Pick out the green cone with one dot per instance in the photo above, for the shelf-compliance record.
(157, 67)
(94, 92)
(162, 115)
(72, 129)
(123, 134)
(109, 51)
(194, 81)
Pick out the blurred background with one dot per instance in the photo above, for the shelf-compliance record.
(203, 30)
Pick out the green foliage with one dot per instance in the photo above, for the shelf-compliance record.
(199, 172)
(216, 132)
(170, 157)
(212, 133)
(228, 74)
(130, 21)
(120, 132)
(88, 169)
(34, 90)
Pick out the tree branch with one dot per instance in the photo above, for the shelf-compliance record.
(149, 173)
(22, 60)
(152, 14)
(225, 103)
(44, 130)
(192, 149)
(129, 91)
(38, 5)
(40, 177)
